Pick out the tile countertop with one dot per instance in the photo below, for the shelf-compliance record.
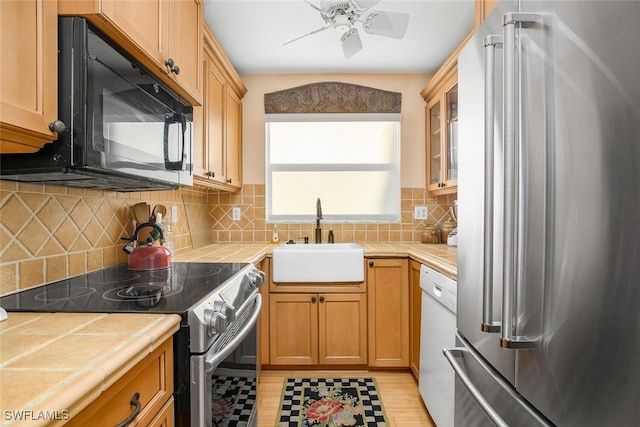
(63, 361)
(440, 257)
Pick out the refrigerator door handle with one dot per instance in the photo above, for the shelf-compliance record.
(451, 354)
(511, 266)
(491, 43)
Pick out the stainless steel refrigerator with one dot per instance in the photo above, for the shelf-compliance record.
(548, 326)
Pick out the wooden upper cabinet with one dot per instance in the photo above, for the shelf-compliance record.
(29, 85)
(442, 137)
(164, 35)
(209, 139)
(184, 40)
(218, 143)
(233, 140)
(141, 21)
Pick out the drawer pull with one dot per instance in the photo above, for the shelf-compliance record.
(134, 402)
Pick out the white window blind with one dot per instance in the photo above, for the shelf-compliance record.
(349, 161)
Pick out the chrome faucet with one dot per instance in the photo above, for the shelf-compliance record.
(318, 218)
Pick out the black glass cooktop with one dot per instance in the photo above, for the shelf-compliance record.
(116, 289)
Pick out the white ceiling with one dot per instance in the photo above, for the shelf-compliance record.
(252, 34)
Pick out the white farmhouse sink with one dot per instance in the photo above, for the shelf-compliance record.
(320, 262)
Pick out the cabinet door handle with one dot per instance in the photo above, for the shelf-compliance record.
(370, 263)
(313, 299)
(229, 180)
(321, 298)
(172, 66)
(57, 126)
(135, 401)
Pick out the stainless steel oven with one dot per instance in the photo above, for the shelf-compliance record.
(224, 379)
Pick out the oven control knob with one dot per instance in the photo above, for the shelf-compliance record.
(229, 311)
(256, 278)
(216, 322)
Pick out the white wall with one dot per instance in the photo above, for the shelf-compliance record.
(412, 123)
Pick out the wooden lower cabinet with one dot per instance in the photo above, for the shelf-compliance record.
(388, 312)
(166, 416)
(415, 315)
(263, 320)
(342, 329)
(318, 329)
(152, 379)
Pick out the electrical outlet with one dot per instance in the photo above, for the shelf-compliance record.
(174, 214)
(236, 214)
(420, 212)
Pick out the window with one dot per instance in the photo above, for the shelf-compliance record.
(349, 161)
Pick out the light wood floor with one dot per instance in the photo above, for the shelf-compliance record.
(398, 390)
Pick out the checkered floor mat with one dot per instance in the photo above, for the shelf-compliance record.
(232, 400)
(340, 401)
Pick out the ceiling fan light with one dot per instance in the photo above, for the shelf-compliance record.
(341, 24)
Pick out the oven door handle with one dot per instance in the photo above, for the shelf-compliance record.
(215, 359)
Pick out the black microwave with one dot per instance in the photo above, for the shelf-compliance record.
(125, 130)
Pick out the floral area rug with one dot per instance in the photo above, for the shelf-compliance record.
(331, 402)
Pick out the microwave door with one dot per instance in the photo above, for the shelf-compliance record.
(129, 124)
(136, 148)
(129, 146)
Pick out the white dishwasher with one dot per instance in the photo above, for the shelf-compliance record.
(437, 331)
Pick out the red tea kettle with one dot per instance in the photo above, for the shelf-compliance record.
(149, 257)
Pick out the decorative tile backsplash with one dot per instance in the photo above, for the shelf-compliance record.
(253, 227)
(49, 233)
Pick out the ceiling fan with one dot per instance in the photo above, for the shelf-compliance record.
(342, 16)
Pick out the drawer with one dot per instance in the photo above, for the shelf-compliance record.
(151, 378)
(165, 418)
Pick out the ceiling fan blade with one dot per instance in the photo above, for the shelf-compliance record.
(351, 43)
(322, 12)
(308, 34)
(365, 5)
(388, 24)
